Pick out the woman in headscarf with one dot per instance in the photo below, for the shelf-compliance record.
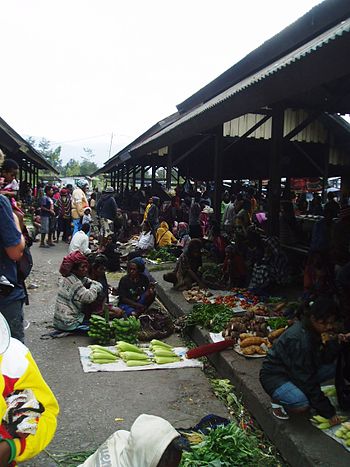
(75, 291)
(136, 292)
(183, 235)
(164, 236)
(187, 266)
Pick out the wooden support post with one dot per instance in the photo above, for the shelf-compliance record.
(328, 148)
(127, 176)
(122, 179)
(218, 156)
(142, 176)
(154, 173)
(111, 178)
(275, 170)
(134, 177)
(169, 167)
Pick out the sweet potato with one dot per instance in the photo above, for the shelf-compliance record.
(245, 335)
(253, 349)
(274, 334)
(253, 341)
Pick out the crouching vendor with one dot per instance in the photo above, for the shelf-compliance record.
(75, 291)
(299, 362)
(136, 292)
(22, 435)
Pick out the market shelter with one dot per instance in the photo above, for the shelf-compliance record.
(304, 68)
(28, 159)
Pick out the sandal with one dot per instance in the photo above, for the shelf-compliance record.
(279, 411)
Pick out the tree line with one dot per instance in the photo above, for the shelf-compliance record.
(82, 166)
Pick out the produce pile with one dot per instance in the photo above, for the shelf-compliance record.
(253, 334)
(159, 352)
(211, 316)
(211, 272)
(161, 255)
(229, 446)
(196, 295)
(102, 330)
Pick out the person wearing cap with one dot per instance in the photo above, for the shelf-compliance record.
(106, 210)
(19, 372)
(75, 291)
(79, 203)
(151, 442)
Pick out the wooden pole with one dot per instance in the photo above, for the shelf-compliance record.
(143, 176)
(154, 171)
(275, 170)
(169, 167)
(218, 155)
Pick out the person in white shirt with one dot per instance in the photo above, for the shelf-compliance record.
(80, 240)
(145, 242)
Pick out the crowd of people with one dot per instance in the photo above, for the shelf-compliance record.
(95, 227)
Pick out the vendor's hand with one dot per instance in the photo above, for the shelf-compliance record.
(335, 420)
(140, 308)
(344, 337)
(5, 452)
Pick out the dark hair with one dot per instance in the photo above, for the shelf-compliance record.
(47, 188)
(194, 244)
(322, 309)
(9, 164)
(85, 227)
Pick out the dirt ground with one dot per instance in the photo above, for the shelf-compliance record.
(90, 402)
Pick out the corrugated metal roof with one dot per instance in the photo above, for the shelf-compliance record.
(315, 132)
(295, 55)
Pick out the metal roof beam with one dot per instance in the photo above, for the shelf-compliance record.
(193, 148)
(302, 125)
(249, 132)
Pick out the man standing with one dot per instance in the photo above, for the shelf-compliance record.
(47, 215)
(79, 203)
(107, 212)
(11, 249)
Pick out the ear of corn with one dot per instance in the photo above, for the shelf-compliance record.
(164, 353)
(163, 360)
(138, 362)
(160, 343)
(134, 356)
(126, 347)
(102, 349)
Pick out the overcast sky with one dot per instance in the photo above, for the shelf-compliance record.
(78, 71)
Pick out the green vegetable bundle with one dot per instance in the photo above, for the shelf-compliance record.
(227, 446)
(277, 323)
(99, 330)
(162, 254)
(211, 272)
(126, 329)
(212, 316)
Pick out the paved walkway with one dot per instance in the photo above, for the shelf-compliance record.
(90, 402)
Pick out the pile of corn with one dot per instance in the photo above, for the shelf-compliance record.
(102, 355)
(163, 353)
(344, 433)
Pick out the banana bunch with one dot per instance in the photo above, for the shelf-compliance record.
(126, 329)
(344, 433)
(323, 423)
(99, 330)
(102, 355)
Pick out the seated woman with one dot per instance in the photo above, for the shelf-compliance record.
(272, 269)
(112, 253)
(298, 362)
(136, 292)
(217, 243)
(164, 236)
(145, 242)
(183, 235)
(187, 266)
(75, 291)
